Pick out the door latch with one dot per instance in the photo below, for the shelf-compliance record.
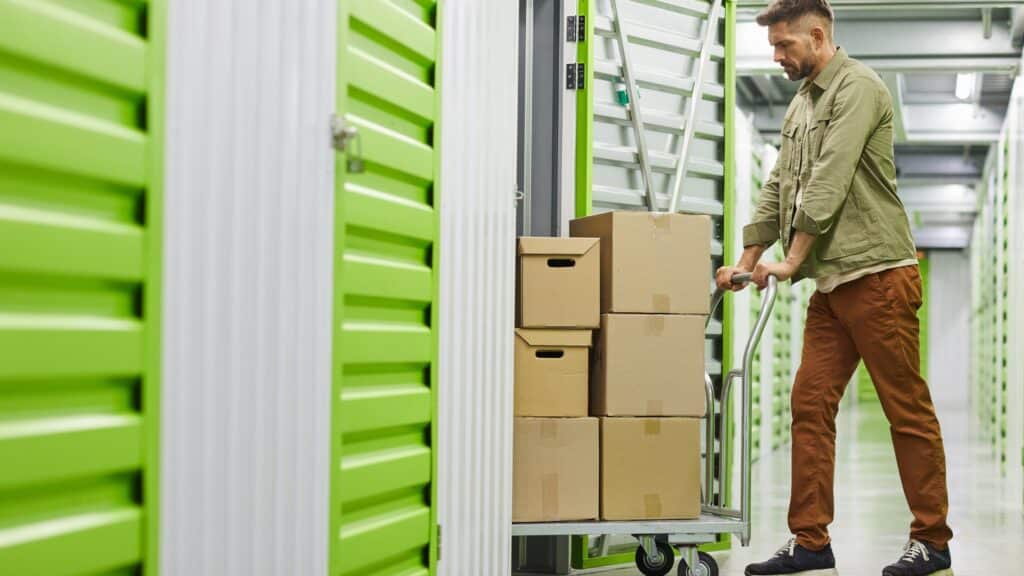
(346, 139)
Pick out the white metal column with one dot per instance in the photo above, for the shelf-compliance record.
(478, 180)
(247, 318)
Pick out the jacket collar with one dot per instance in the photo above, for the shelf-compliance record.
(824, 80)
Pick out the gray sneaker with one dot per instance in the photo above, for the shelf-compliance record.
(921, 559)
(795, 560)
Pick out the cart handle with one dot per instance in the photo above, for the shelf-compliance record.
(738, 278)
(767, 305)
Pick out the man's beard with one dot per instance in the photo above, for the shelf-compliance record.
(797, 74)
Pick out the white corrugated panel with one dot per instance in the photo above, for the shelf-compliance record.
(478, 182)
(949, 312)
(247, 320)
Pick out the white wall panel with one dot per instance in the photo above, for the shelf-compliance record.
(949, 311)
(246, 389)
(478, 181)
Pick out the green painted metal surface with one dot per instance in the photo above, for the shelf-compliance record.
(585, 115)
(729, 357)
(382, 519)
(81, 128)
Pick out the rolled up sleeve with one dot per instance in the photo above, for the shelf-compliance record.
(855, 116)
(763, 229)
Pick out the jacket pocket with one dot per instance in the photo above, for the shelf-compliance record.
(815, 138)
(790, 145)
(816, 134)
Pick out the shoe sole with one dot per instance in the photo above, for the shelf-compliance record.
(825, 572)
(946, 572)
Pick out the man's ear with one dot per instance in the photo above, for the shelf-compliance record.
(818, 35)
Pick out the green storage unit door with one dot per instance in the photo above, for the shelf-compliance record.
(80, 85)
(382, 491)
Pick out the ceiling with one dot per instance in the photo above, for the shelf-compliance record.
(922, 50)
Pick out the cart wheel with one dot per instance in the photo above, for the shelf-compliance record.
(668, 558)
(708, 566)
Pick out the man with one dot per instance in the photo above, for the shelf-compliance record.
(831, 199)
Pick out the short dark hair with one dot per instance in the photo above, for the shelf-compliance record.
(793, 10)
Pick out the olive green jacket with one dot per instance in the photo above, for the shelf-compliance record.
(837, 147)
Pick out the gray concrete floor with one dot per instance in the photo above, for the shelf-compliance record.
(872, 519)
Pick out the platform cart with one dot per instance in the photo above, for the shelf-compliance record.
(659, 539)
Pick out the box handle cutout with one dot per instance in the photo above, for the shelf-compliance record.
(561, 263)
(550, 353)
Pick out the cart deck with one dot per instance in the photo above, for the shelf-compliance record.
(708, 524)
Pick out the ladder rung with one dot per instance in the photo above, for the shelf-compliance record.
(654, 37)
(632, 198)
(626, 156)
(714, 367)
(714, 328)
(669, 83)
(689, 7)
(659, 122)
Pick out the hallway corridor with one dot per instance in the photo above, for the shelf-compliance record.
(872, 519)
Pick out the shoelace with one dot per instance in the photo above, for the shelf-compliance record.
(913, 550)
(788, 549)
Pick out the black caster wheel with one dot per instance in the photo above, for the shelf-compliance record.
(708, 566)
(668, 558)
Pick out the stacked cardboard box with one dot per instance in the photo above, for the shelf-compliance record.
(641, 278)
(555, 443)
(647, 385)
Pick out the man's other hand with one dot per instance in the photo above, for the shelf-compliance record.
(781, 270)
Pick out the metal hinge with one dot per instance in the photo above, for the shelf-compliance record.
(438, 542)
(581, 30)
(575, 76)
(570, 29)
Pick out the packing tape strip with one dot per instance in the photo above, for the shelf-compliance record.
(655, 408)
(548, 430)
(655, 325)
(652, 426)
(662, 221)
(661, 303)
(549, 505)
(652, 506)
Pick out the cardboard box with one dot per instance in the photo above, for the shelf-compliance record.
(652, 263)
(555, 469)
(649, 365)
(552, 368)
(650, 468)
(559, 283)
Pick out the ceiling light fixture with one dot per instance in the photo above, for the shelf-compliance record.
(965, 85)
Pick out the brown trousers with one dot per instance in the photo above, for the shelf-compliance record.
(874, 318)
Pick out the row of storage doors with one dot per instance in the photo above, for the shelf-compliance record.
(81, 193)
(997, 260)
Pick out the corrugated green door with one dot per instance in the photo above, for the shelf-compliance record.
(80, 84)
(382, 492)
